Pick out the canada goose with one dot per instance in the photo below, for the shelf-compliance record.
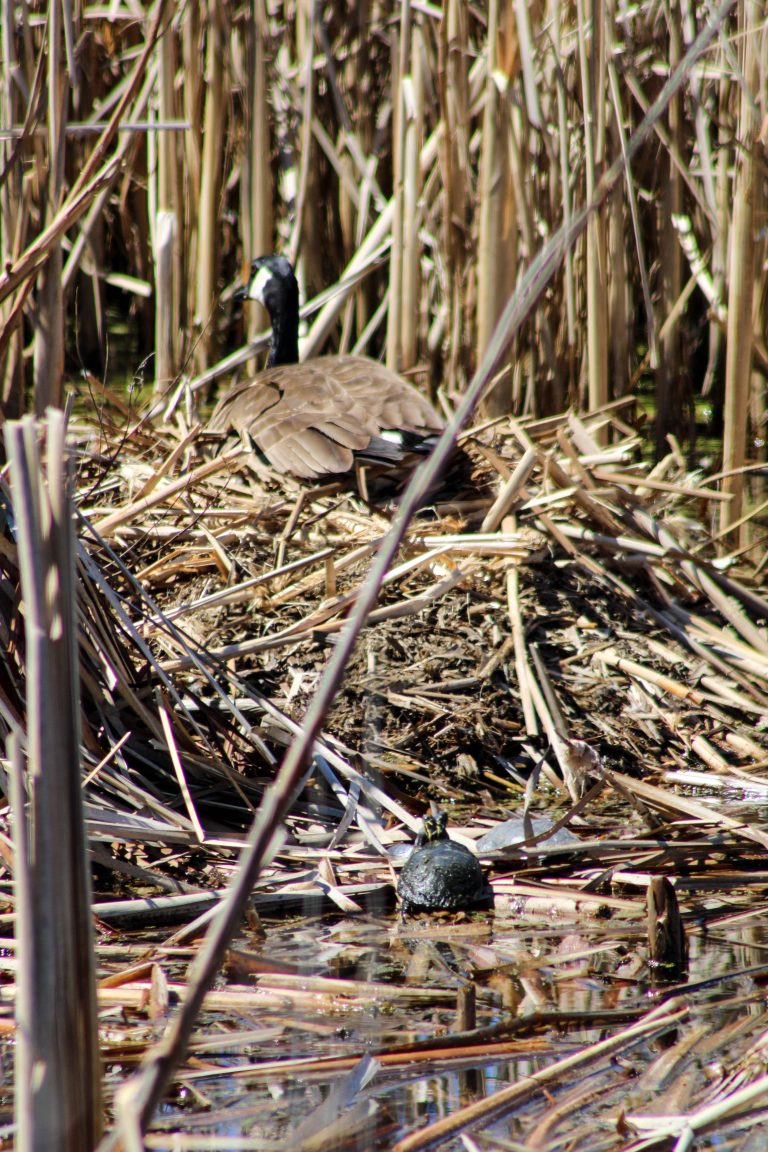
(314, 419)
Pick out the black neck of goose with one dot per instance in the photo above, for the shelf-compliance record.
(285, 330)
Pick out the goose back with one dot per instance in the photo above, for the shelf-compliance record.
(311, 419)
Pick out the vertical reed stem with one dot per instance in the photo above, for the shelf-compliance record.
(399, 74)
(738, 364)
(592, 60)
(413, 98)
(48, 370)
(208, 222)
(58, 1099)
(11, 366)
(168, 226)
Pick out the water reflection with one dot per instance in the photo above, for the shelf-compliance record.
(543, 993)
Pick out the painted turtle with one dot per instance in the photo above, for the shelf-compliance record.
(441, 874)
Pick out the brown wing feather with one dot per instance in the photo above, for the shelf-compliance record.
(309, 419)
(395, 403)
(246, 401)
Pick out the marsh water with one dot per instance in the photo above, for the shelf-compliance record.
(297, 1064)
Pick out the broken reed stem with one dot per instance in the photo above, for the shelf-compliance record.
(58, 1095)
(208, 220)
(400, 73)
(592, 66)
(738, 365)
(48, 363)
(166, 211)
(495, 263)
(256, 188)
(413, 111)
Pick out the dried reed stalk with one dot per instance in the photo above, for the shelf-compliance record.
(12, 211)
(740, 337)
(456, 169)
(207, 245)
(58, 1100)
(496, 232)
(401, 61)
(592, 66)
(413, 112)
(256, 188)
(168, 227)
(48, 368)
(670, 380)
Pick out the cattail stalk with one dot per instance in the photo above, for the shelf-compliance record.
(740, 339)
(48, 368)
(208, 223)
(58, 1068)
(592, 64)
(413, 109)
(400, 71)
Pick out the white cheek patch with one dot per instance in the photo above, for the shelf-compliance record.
(258, 285)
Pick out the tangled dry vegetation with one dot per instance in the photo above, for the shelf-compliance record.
(579, 600)
(560, 633)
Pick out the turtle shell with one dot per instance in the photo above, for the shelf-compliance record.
(442, 875)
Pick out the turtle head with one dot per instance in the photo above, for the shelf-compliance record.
(435, 827)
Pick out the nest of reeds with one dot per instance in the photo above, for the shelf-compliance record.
(570, 596)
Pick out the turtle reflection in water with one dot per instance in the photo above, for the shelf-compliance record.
(441, 874)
